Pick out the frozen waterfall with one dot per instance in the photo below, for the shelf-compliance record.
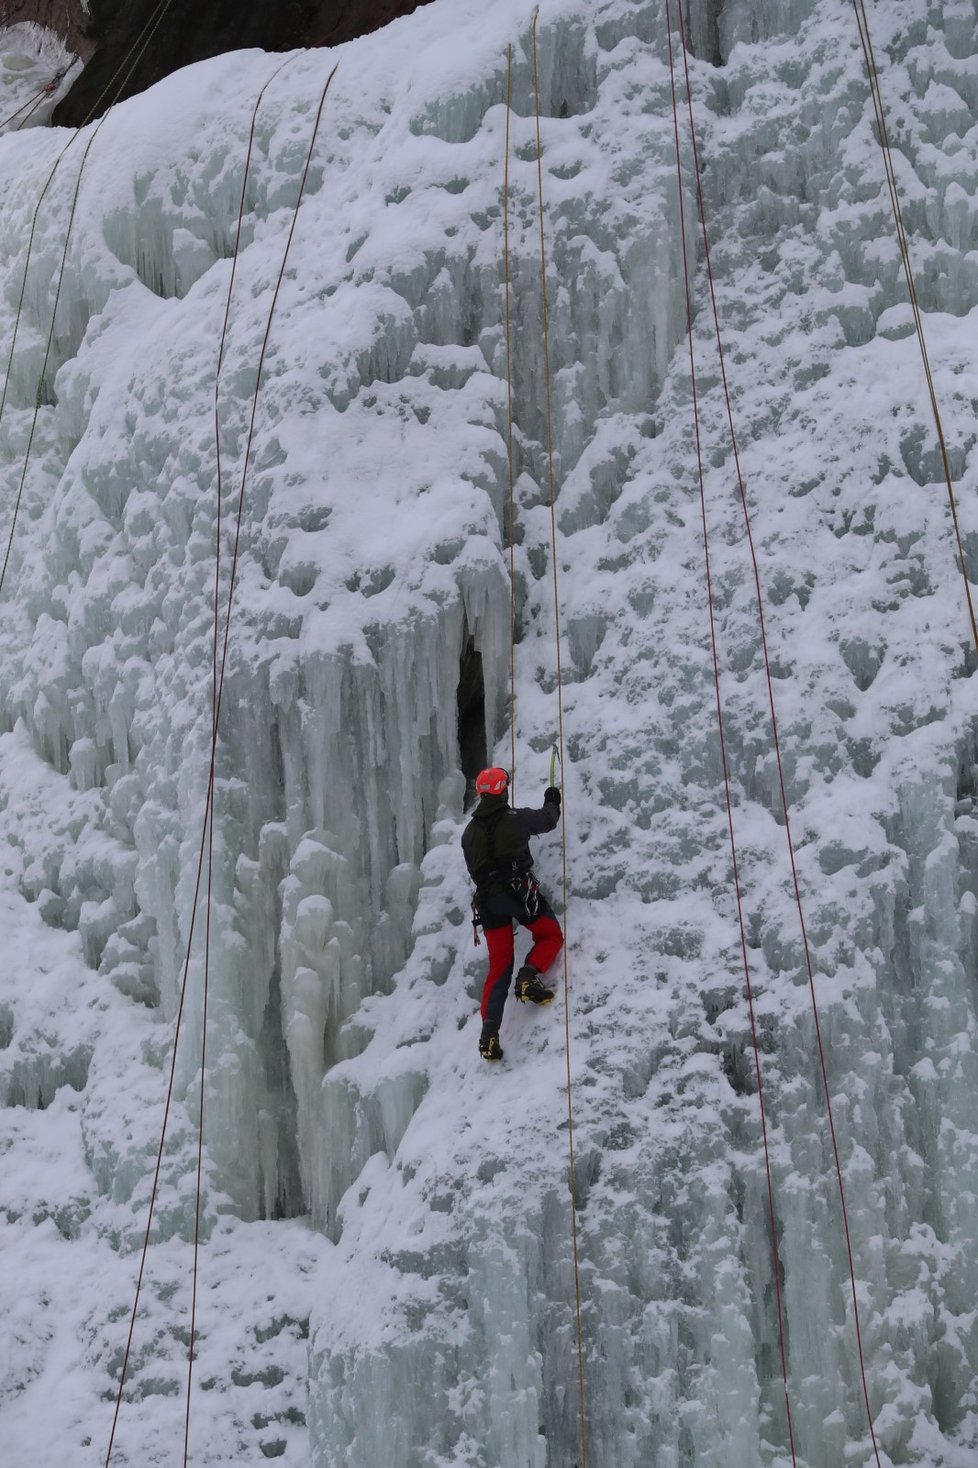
(387, 1277)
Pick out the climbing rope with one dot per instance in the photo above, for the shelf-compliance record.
(206, 849)
(29, 107)
(772, 1219)
(509, 433)
(777, 743)
(216, 683)
(220, 363)
(548, 393)
(865, 38)
(572, 1184)
(36, 99)
(121, 75)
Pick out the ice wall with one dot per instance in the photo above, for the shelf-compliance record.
(381, 1211)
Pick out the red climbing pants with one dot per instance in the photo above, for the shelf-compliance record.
(499, 912)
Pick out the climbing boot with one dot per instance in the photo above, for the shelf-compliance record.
(489, 1046)
(529, 988)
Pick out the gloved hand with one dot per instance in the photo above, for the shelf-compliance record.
(551, 796)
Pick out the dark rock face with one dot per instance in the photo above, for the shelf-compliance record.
(187, 30)
(65, 17)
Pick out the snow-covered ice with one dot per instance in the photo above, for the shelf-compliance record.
(32, 59)
(387, 1273)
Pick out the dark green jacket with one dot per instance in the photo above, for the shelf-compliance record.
(496, 842)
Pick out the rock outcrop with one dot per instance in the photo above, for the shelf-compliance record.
(106, 31)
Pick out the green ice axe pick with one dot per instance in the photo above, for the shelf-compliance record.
(554, 757)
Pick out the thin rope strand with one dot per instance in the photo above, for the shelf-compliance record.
(30, 106)
(572, 1183)
(865, 37)
(39, 394)
(159, 1153)
(146, 35)
(213, 767)
(809, 965)
(208, 809)
(49, 89)
(231, 587)
(200, 1124)
(27, 117)
(220, 363)
(509, 434)
(141, 42)
(742, 927)
(261, 365)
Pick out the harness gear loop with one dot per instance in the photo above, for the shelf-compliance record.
(515, 875)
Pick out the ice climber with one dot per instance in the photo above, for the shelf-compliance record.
(496, 848)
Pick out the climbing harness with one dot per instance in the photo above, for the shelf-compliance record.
(524, 887)
(775, 740)
(206, 849)
(515, 876)
(533, 897)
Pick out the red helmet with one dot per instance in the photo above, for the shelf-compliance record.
(493, 781)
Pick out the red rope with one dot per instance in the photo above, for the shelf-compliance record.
(159, 1153)
(220, 364)
(552, 488)
(29, 107)
(125, 70)
(872, 72)
(216, 688)
(777, 751)
(206, 846)
(772, 1222)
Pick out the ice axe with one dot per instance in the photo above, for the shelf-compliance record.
(554, 762)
